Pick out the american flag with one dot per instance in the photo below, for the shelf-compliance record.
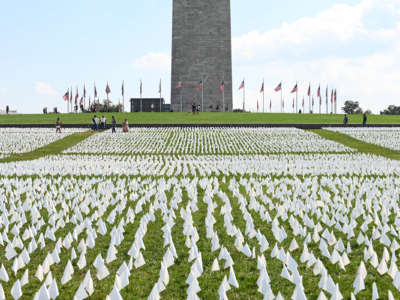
(66, 96)
(159, 88)
(108, 90)
(262, 88)
(222, 87)
(270, 104)
(141, 89)
(199, 86)
(81, 102)
(327, 97)
(279, 87)
(179, 86)
(335, 97)
(84, 91)
(258, 106)
(241, 85)
(303, 103)
(95, 92)
(319, 92)
(123, 89)
(70, 96)
(294, 89)
(309, 91)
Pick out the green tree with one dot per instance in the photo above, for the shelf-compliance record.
(391, 110)
(352, 107)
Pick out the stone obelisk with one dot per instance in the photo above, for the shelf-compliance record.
(201, 52)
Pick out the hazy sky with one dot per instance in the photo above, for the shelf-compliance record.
(48, 46)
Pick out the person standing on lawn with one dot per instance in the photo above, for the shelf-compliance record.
(365, 120)
(103, 122)
(345, 120)
(125, 126)
(58, 125)
(114, 124)
(95, 123)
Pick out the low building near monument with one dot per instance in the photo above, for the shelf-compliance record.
(149, 105)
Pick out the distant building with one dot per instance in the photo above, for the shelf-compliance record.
(149, 105)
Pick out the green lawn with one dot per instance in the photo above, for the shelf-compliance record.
(202, 118)
(360, 146)
(51, 149)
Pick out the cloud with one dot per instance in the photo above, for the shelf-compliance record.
(341, 30)
(153, 61)
(44, 89)
(340, 47)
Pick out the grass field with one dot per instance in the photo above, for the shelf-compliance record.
(51, 149)
(203, 118)
(310, 229)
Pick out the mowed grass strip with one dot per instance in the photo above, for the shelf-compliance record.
(51, 149)
(202, 118)
(361, 146)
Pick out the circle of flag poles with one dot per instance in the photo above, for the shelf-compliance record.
(330, 102)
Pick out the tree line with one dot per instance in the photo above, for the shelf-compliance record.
(353, 108)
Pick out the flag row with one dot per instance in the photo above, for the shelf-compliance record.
(68, 96)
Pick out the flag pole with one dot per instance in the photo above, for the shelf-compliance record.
(202, 95)
(297, 98)
(70, 102)
(327, 103)
(223, 99)
(335, 99)
(281, 100)
(320, 104)
(244, 96)
(84, 96)
(263, 97)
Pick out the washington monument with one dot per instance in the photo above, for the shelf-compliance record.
(201, 55)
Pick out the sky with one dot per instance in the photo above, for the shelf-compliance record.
(49, 46)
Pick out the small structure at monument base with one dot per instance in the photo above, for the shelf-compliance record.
(149, 105)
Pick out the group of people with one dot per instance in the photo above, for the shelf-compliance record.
(102, 124)
(195, 108)
(346, 120)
